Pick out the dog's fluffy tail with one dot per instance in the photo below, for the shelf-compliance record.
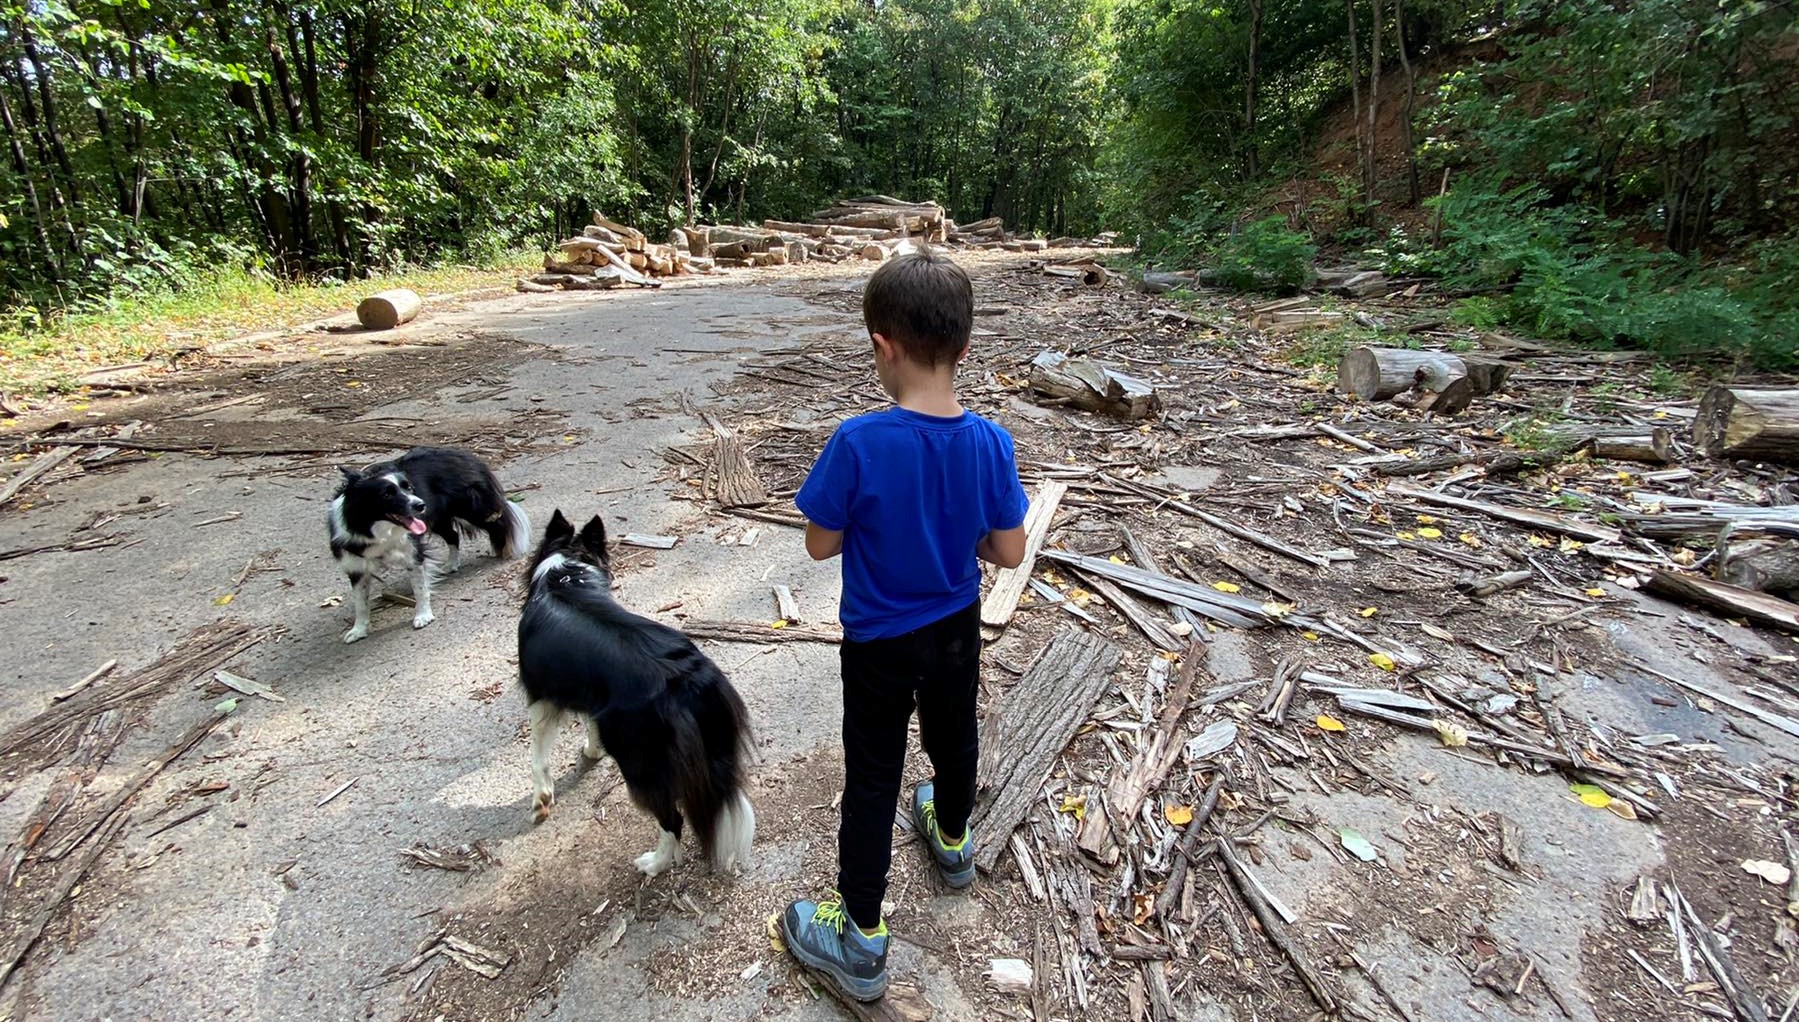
(711, 729)
(518, 531)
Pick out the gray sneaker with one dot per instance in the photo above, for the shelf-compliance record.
(956, 864)
(822, 935)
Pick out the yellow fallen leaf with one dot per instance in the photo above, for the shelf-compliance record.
(1227, 587)
(352, 383)
(1595, 591)
(778, 623)
(1327, 722)
(78, 408)
(224, 600)
(1570, 546)
(1383, 661)
(1180, 816)
(1683, 556)
(1115, 559)
(1406, 535)
(1080, 597)
(1621, 809)
(1431, 533)
(1538, 541)
(1076, 804)
(1659, 413)
(1453, 735)
(1273, 609)
(1309, 636)
(1469, 538)
(1591, 794)
(1368, 611)
(1427, 520)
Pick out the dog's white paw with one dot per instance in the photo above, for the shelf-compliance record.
(666, 853)
(423, 618)
(541, 805)
(356, 634)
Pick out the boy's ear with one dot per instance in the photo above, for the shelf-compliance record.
(593, 536)
(884, 345)
(558, 527)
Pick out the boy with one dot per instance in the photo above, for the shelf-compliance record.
(910, 497)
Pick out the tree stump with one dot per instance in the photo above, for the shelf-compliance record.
(1756, 425)
(1376, 374)
(388, 309)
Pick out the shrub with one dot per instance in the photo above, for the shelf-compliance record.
(1264, 256)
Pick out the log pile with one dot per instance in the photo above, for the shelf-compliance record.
(873, 228)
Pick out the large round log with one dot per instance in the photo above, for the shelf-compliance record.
(1757, 425)
(388, 309)
(1651, 444)
(1376, 374)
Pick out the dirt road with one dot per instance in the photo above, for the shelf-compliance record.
(261, 875)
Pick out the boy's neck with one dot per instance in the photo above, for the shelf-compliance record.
(934, 394)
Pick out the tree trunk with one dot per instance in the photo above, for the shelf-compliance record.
(1411, 94)
(47, 101)
(1250, 85)
(1756, 425)
(1372, 167)
(23, 167)
(1355, 96)
(301, 163)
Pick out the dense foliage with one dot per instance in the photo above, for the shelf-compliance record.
(150, 139)
(1606, 171)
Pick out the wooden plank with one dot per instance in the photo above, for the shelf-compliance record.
(1520, 515)
(759, 632)
(1008, 585)
(786, 607)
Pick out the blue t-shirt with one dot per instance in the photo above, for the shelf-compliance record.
(913, 495)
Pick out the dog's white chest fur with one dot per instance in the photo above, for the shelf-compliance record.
(392, 548)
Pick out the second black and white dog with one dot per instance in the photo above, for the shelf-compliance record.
(380, 517)
(664, 711)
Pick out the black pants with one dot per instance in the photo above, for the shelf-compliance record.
(939, 667)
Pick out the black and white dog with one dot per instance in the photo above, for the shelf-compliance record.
(665, 712)
(381, 515)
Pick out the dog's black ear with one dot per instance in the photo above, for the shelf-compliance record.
(559, 527)
(593, 536)
(350, 474)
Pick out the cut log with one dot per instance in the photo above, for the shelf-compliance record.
(388, 309)
(1621, 443)
(626, 271)
(1032, 726)
(991, 224)
(624, 233)
(1755, 425)
(1488, 375)
(1733, 600)
(528, 286)
(734, 482)
(1765, 565)
(1159, 282)
(1092, 386)
(1376, 374)
(572, 269)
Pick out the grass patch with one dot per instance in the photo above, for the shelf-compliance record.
(1324, 347)
(51, 358)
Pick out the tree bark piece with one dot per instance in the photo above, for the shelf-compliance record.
(388, 309)
(45, 462)
(734, 482)
(1093, 387)
(1031, 728)
(1002, 599)
(1155, 631)
(1734, 600)
(1128, 789)
(1757, 425)
(1480, 588)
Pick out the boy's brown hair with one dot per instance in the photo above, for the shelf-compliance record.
(922, 302)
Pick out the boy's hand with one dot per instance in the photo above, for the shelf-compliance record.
(823, 544)
(1004, 547)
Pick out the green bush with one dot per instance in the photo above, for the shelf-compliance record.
(1264, 256)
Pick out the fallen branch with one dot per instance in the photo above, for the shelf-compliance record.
(1522, 516)
(1275, 929)
(1734, 600)
(45, 462)
(759, 632)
